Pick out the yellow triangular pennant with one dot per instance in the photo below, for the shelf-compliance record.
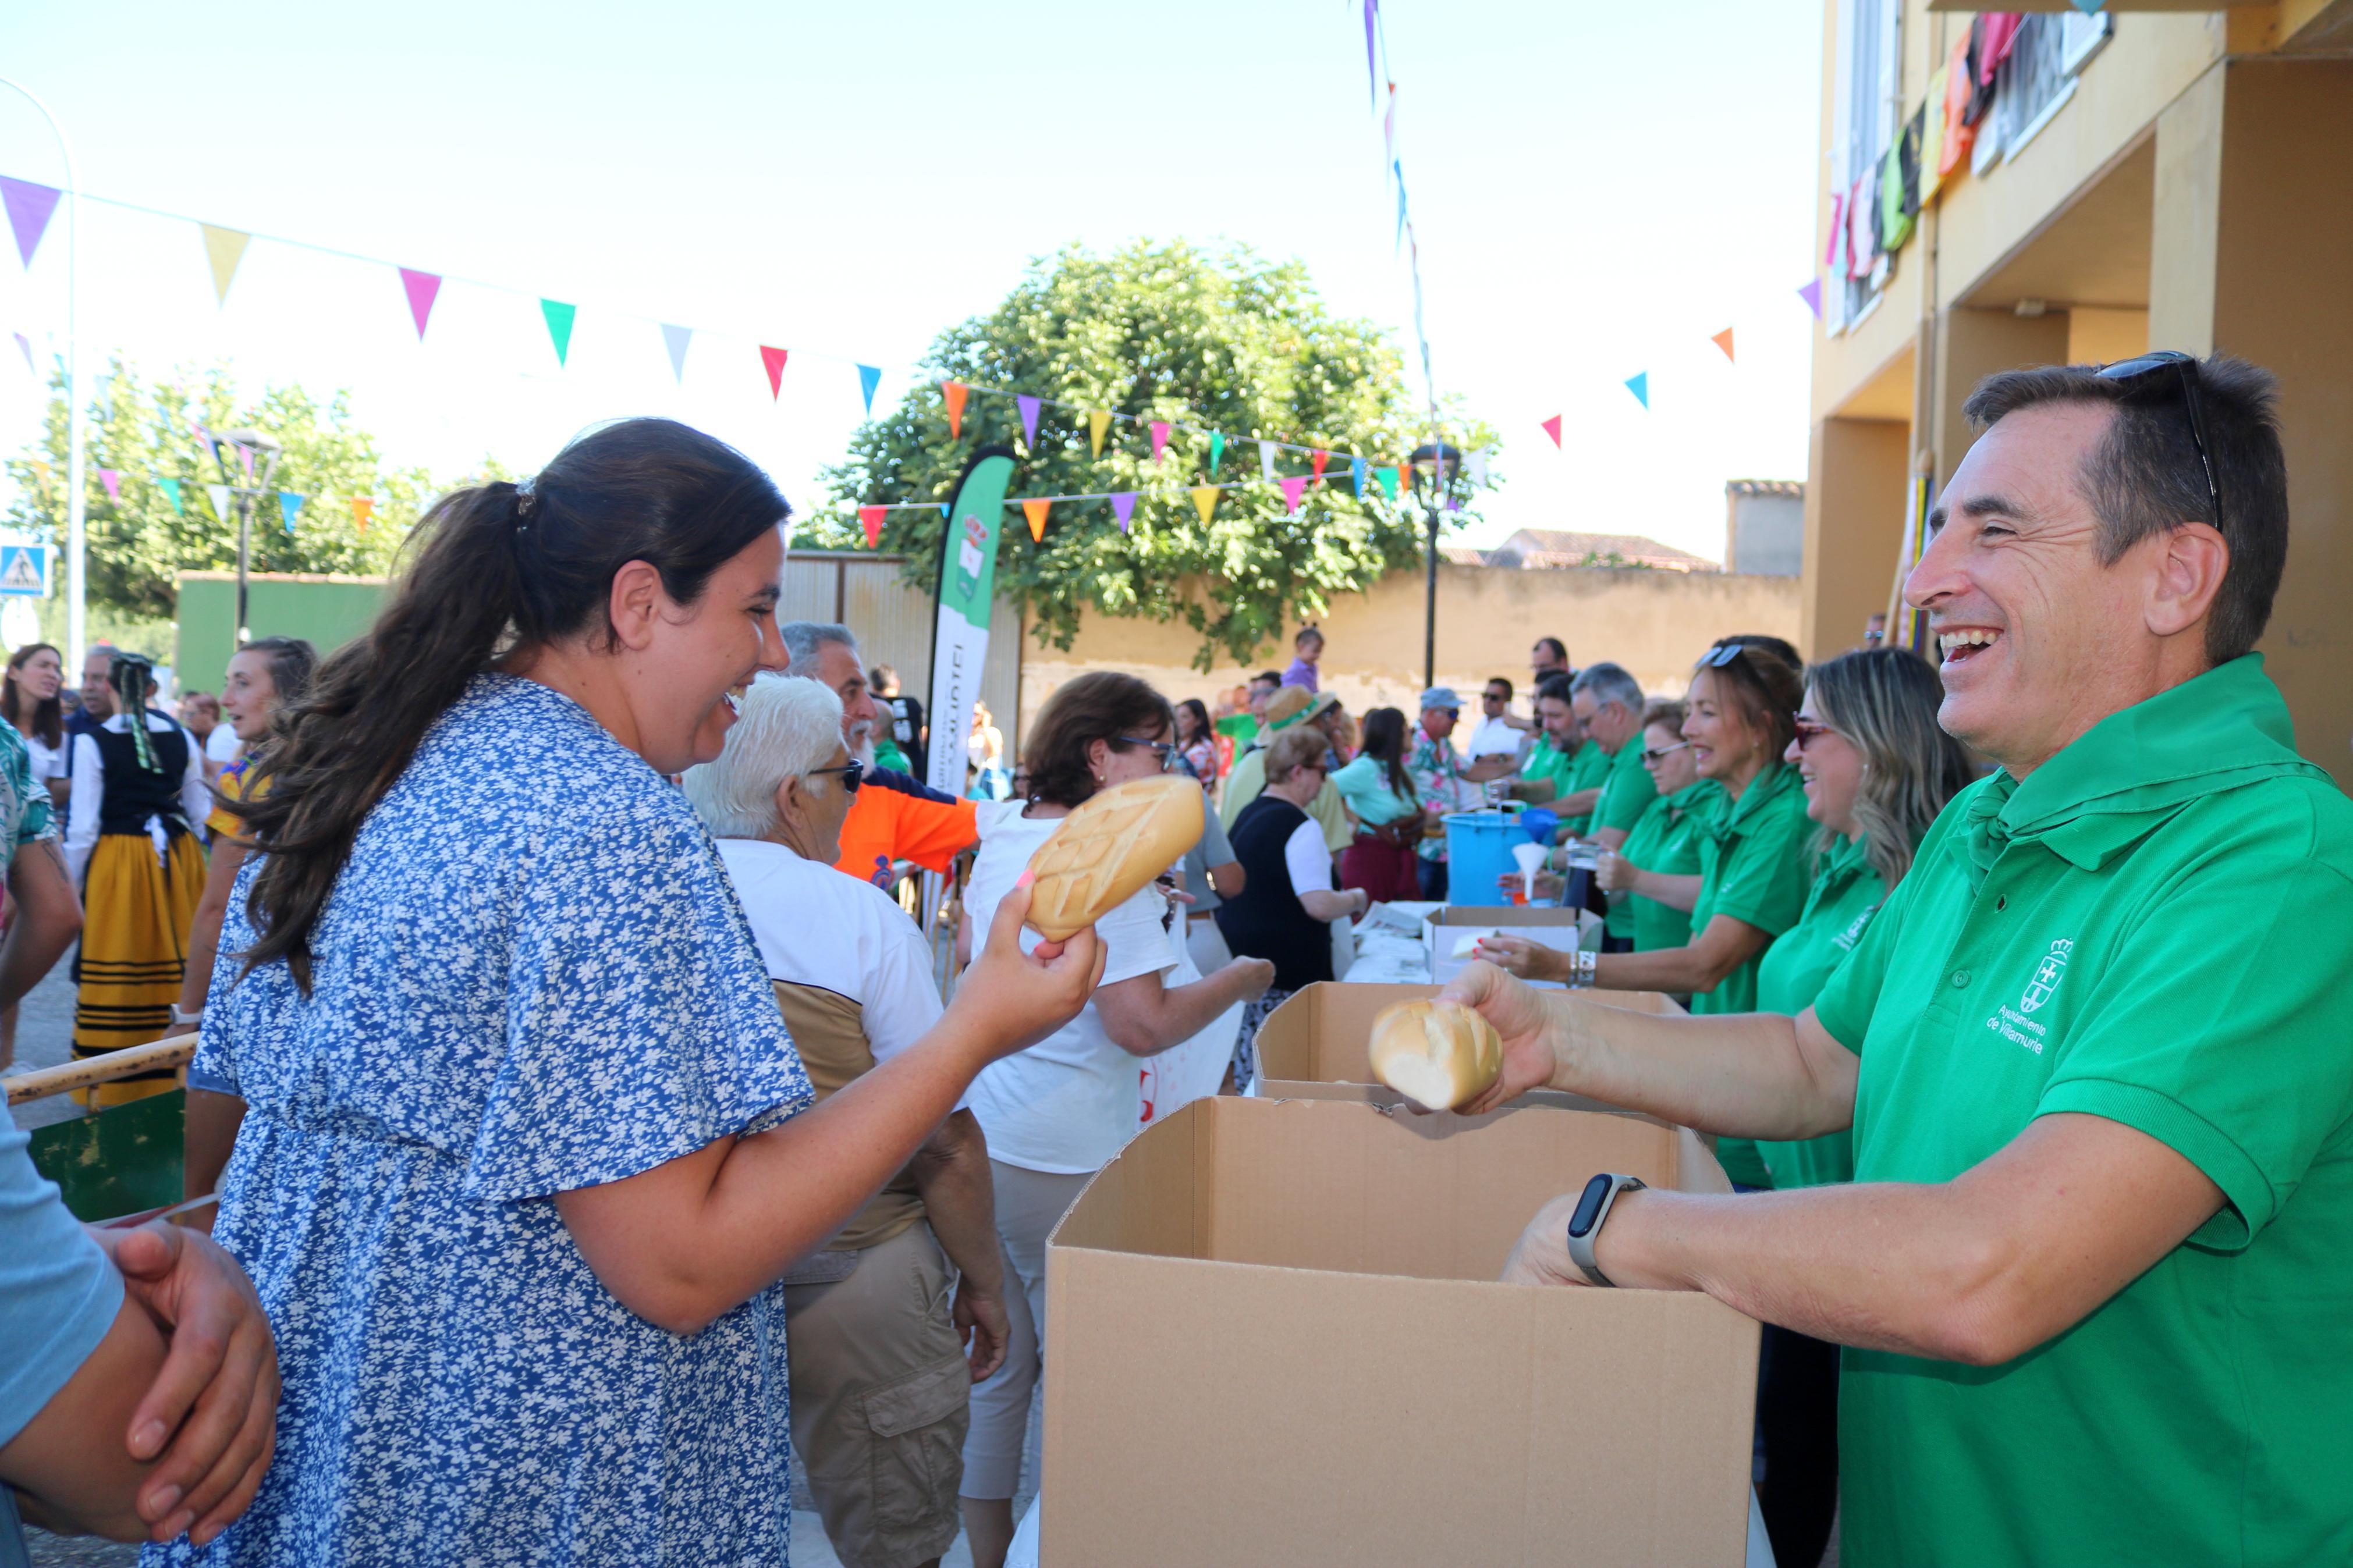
(1098, 421)
(224, 247)
(1204, 500)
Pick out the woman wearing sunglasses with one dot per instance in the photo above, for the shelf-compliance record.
(1658, 866)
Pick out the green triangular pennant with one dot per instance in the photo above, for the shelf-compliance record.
(559, 326)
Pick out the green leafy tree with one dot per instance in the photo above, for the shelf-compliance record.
(1226, 342)
(139, 539)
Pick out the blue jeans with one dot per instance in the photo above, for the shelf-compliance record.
(1432, 874)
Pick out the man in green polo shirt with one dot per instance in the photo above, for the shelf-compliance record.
(1562, 763)
(2097, 1050)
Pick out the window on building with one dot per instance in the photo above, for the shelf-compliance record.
(2039, 76)
(1865, 107)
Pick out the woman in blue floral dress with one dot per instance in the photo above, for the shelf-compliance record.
(520, 1154)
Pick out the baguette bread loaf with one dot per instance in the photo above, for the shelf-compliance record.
(1109, 847)
(1439, 1055)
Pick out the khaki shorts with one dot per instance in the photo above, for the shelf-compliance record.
(881, 1394)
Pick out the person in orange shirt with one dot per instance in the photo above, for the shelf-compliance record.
(893, 817)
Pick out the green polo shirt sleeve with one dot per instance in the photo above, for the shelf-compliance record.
(1628, 792)
(1845, 1004)
(2222, 1031)
(1764, 878)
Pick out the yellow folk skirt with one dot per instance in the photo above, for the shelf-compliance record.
(136, 913)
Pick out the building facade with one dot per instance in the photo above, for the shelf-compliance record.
(2144, 176)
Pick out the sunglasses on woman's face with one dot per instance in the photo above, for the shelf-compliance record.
(1809, 732)
(1162, 750)
(853, 773)
(1661, 754)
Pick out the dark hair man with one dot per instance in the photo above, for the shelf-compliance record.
(902, 716)
(2091, 1266)
(1500, 731)
(1549, 657)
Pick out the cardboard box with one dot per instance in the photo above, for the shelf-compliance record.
(1444, 931)
(1316, 1045)
(1276, 1338)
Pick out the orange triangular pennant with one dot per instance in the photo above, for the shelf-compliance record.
(1723, 339)
(954, 391)
(362, 507)
(1035, 511)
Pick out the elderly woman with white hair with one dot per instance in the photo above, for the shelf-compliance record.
(881, 1374)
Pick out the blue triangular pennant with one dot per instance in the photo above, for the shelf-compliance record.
(289, 503)
(1640, 386)
(869, 378)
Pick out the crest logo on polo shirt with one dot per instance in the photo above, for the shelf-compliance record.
(2047, 975)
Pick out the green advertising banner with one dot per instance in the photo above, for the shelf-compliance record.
(968, 589)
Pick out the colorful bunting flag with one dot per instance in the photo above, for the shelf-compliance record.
(171, 489)
(224, 248)
(362, 507)
(1122, 507)
(1266, 462)
(422, 289)
(1293, 487)
(1371, 79)
(869, 377)
(1029, 406)
(112, 479)
(1205, 502)
(1813, 295)
(1316, 459)
(245, 458)
(869, 518)
(1098, 421)
(1035, 511)
(289, 504)
(1159, 438)
(29, 207)
(772, 362)
(954, 391)
(1217, 451)
(1639, 383)
(25, 347)
(1552, 428)
(558, 316)
(1389, 478)
(219, 494)
(1356, 474)
(676, 339)
(1723, 339)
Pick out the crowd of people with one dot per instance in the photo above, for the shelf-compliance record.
(589, 1129)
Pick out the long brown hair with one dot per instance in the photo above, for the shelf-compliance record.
(1885, 702)
(1384, 739)
(1763, 683)
(498, 570)
(46, 722)
(1100, 705)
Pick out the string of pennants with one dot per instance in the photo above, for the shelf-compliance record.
(29, 207)
(222, 496)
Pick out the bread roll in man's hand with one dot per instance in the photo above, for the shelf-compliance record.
(1108, 849)
(1439, 1055)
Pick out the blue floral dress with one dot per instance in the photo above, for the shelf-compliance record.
(533, 976)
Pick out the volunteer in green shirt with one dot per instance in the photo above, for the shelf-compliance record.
(1607, 786)
(1549, 770)
(2092, 1268)
(1658, 866)
(1876, 770)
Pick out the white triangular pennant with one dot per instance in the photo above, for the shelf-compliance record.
(676, 339)
(1266, 462)
(219, 494)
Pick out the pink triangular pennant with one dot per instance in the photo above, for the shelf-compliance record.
(869, 518)
(112, 479)
(954, 391)
(1293, 487)
(422, 289)
(1552, 428)
(1122, 507)
(1035, 511)
(1159, 438)
(1029, 406)
(774, 359)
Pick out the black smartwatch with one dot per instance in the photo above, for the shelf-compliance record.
(1593, 1206)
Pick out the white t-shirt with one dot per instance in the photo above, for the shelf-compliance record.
(222, 745)
(1308, 858)
(1182, 1074)
(816, 926)
(48, 761)
(1067, 1104)
(1493, 738)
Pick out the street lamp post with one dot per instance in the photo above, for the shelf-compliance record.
(1444, 465)
(76, 426)
(269, 446)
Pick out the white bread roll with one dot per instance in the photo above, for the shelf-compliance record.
(1439, 1055)
(1109, 847)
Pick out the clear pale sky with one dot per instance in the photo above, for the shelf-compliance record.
(1597, 189)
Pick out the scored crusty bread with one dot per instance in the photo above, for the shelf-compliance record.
(1441, 1054)
(1108, 849)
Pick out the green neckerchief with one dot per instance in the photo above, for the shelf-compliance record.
(2218, 731)
(1729, 822)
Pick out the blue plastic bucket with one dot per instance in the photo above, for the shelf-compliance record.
(1479, 852)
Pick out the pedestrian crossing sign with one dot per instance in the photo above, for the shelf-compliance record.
(24, 569)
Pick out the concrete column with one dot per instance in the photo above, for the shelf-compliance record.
(2253, 229)
(1971, 346)
(1854, 526)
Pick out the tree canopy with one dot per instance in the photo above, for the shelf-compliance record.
(1226, 342)
(139, 539)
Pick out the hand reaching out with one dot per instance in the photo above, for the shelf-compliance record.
(1526, 1020)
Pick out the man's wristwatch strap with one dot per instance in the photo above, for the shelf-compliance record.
(1585, 1224)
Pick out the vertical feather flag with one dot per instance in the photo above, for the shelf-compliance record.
(1029, 406)
(558, 316)
(1723, 339)
(219, 494)
(112, 479)
(1205, 502)
(1035, 511)
(171, 489)
(869, 518)
(1639, 383)
(1316, 459)
(422, 289)
(362, 507)
(1266, 462)
(290, 506)
(772, 362)
(1122, 507)
(953, 391)
(1159, 438)
(1552, 428)
(869, 377)
(224, 248)
(1217, 451)
(676, 339)
(29, 207)
(1293, 487)
(1098, 421)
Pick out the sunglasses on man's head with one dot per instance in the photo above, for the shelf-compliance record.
(853, 773)
(2173, 362)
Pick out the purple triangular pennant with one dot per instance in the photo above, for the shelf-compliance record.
(1813, 295)
(1122, 507)
(29, 207)
(1029, 406)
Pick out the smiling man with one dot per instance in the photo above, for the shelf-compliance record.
(2097, 1050)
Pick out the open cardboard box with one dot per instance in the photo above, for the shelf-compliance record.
(1317, 1044)
(1276, 1337)
(1445, 930)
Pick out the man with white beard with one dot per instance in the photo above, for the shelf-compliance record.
(893, 817)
